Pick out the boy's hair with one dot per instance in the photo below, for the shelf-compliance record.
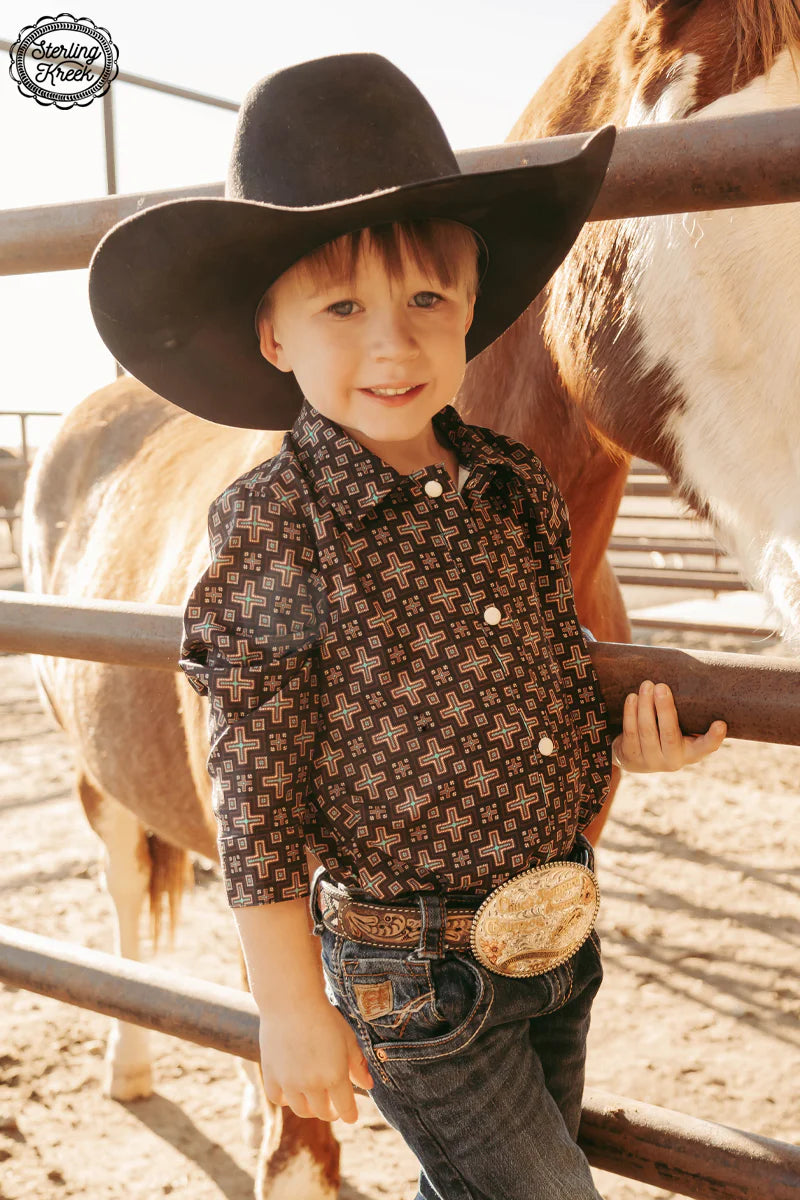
(444, 249)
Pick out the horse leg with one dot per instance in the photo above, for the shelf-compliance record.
(252, 1111)
(126, 869)
(299, 1156)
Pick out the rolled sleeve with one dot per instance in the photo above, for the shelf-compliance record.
(251, 632)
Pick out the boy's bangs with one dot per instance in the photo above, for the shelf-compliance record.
(443, 250)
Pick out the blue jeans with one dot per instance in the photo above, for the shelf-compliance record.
(481, 1074)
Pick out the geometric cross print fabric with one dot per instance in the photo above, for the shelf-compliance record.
(396, 673)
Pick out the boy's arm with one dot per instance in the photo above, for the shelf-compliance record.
(282, 956)
(310, 1055)
(251, 630)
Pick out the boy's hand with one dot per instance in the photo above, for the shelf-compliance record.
(310, 1059)
(651, 738)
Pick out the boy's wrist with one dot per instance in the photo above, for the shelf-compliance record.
(282, 957)
(303, 1007)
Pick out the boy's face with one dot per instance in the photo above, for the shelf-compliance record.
(344, 341)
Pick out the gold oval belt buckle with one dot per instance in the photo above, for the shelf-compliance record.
(537, 920)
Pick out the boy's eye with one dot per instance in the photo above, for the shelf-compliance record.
(435, 296)
(432, 297)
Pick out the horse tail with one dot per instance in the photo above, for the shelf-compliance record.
(170, 875)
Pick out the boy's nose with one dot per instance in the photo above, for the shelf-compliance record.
(394, 334)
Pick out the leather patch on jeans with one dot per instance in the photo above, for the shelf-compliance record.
(374, 999)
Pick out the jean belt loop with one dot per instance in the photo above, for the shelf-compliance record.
(312, 899)
(583, 851)
(433, 913)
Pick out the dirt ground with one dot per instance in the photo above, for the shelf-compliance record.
(698, 1010)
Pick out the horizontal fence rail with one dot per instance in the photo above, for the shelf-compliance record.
(124, 633)
(706, 625)
(756, 696)
(693, 165)
(654, 1145)
(644, 544)
(714, 580)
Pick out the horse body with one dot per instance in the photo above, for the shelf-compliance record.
(95, 525)
(672, 336)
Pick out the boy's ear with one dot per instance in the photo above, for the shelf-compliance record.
(272, 351)
(470, 315)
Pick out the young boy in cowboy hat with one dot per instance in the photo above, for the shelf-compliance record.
(400, 691)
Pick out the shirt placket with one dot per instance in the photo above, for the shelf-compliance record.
(491, 614)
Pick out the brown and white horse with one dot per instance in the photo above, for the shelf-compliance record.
(667, 338)
(670, 337)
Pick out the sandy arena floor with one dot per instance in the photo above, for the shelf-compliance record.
(698, 1010)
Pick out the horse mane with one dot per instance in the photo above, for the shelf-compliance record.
(763, 29)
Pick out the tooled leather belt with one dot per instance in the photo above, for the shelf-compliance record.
(387, 924)
(525, 926)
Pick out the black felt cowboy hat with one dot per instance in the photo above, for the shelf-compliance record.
(321, 148)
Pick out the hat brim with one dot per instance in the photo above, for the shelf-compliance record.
(173, 289)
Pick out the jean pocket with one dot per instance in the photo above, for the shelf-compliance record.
(391, 994)
(416, 1009)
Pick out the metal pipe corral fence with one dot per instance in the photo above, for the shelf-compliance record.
(756, 696)
(642, 1141)
(695, 165)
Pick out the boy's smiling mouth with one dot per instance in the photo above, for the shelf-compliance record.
(396, 393)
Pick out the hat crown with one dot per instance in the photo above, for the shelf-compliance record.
(334, 128)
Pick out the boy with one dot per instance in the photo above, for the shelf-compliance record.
(400, 693)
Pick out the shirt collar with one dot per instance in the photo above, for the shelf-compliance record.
(353, 480)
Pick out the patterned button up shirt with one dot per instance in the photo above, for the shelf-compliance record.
(396, 673)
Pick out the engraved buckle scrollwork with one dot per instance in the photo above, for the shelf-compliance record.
(536, 920)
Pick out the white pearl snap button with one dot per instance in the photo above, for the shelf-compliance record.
(546, 746)
(492, 615)
(433, 487)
